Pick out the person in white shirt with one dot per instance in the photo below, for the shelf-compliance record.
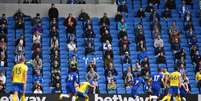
(36, 37)
(158, 42)
(2, 78)
(107, 45)
(71, 46)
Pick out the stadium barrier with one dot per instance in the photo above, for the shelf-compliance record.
(96, 97)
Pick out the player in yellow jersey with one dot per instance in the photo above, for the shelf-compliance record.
(19, 79)
(175, 84)
(82, 89)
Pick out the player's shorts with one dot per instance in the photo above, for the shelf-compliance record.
(174, 90)
(70, 89)
(80, 94)
(156, 91)
(18, 87)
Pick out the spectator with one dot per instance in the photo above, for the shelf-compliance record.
(36, 51)
(38, 90)
(19, 21)
(111, 82)
(2, 78)
(70, 24)
(37, 85)
(180, 56)
(36, 37)
(57, 89)
(92, 75)
(106, 36)
(122, 25)
(160, 58)
(37, 63)
(3, 20)
(36, 20)
(124, 49)
(170, 4)
(124, 41)
(73, 64)
(110, 69)
(118, 17)
(126, 59)
(89, 48)
(198, 79)
(92, 64)
(105, 20)
(3, 29)
(53, 22)
(149, 8)
(122, 33)
(158, 45)
(37, 77)
(194, 52)
(89, 33)
(107, 60)
(2, 88)
(54, 43)
(38, 28)
(107, 45)
(140, 13)
(166, 13)
(55, 80)
(145, 61)
(128, 78)
(109, 52)
(72, 46)
(84, 16)
(53, 12)
(20, 47)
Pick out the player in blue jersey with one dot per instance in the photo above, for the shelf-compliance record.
(71, 84)
(137, 82)
(157, 82)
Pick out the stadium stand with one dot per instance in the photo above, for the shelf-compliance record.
(135, 50)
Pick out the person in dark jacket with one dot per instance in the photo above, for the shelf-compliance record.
(53, 12)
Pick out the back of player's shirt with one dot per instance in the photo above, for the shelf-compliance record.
(156, 79)
(175, 79)
(72, 78)
(138, 81)
(18, 72)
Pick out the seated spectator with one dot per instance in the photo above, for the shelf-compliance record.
(38, 28)
(72, 46)
(166, 13)
(126, 59)
(106, 36)
(104, 28)
(87, 24)
(158, 45)
(194, 53)
(140, 13)
(2, 78)
(2, 88)
(141, 46)
(107, 60)
(118, 17)
(198, 66)
(124, 41)
(105, 20)
(92, 75)
(89, 48)
(56, 79)
(183, 9)
(128, 79)
(150, 8)
(139, 37)
(187, 17)
(37, 85)
(38, 90)
(160, 58)
(173, 32)
(137, 67)
(73, 64)
(53, 12)
(92, 64)
(3, 20)
(37, 63)
(37, 37)
(107, 45)
(175, 46)
(54, 43)
(20, 47)
(36, 20)
(89, 33)
(55, 64)
(122, 25)
(53, 31)
(36, 51)
(180, 55)
(122, 7)
(83, 16)
(188, 25)
(145, 61)
(109, 52)
(124, 49)
(3, 29)
(111, 82)
(57, 89)
(170, 4)
(111, 69)
(122, 33)
(198, 79)
(70, 24)
(18, 57)
(53, 22)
